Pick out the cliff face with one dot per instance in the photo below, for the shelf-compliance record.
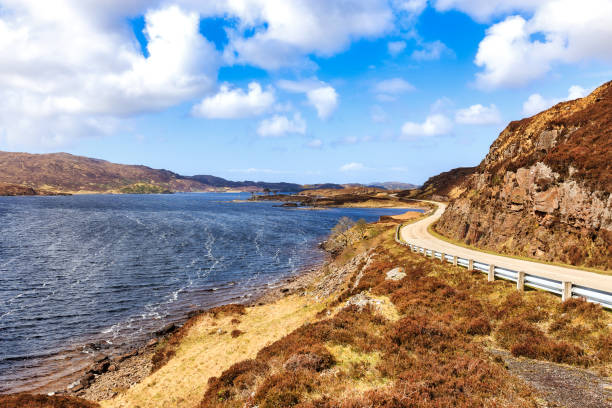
(544, 188)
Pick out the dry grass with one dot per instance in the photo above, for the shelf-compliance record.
(43, 401)
(424, 345)
(203, 352)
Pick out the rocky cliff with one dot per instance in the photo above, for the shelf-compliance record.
(543, 190)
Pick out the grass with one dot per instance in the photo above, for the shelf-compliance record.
(436, 234)
(426, 345)
(204, 353)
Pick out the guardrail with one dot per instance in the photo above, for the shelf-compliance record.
(522, 279)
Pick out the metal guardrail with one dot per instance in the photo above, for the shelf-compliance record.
(565, 289)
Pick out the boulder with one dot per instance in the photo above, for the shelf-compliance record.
(396, 274)
(546, 201)
(167, 329)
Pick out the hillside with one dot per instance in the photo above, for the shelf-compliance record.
(543, 190)
(214, 181)
(68, 173)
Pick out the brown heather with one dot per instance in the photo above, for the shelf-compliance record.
(435, 354)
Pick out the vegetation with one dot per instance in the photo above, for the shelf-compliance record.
(436, 352)
(422, 341)
(144, 188)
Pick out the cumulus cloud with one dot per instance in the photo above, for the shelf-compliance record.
(431, 51)
(537, 103)
(232, 103)
(279, 125)
(323, 97)
(478, 115)
(396, 47)
(285, 32)
(353, 166)
(483, 10)
(516, 50)
(389, 89)
(69, 70)
(434, 125)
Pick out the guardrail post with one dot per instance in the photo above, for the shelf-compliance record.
(470, 264)
(442, 257)
(433, 254)
(520, 281)
(455, 260)
(566, 291)
(491, 276)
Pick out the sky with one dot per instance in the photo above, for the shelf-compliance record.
(302, 91)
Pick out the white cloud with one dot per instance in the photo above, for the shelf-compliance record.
(389, 89)
(324, 99)
(70, 70)
(285, 32)
(431, 51)
(231, 103)
(279, 125)
(411, 6)
(396, 47)
(353, 166)
(436, 124)
(478, 115)
(516, 51)
(483, 10)
(537, 103)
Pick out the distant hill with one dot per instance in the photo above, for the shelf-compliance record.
(64, 172)
(393, 185)
(544, 188)
(215, 181)
(442, 187)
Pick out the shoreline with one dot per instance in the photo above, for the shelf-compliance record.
(131, 363)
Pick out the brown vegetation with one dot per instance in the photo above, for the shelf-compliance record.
(543, 190)
(43, 401)
(67, 173)
(434, 355)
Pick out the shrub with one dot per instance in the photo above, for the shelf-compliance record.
(235, 333)
(479, 325)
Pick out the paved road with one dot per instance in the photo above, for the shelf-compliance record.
(417, 234)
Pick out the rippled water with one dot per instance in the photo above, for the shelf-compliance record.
(92, 273)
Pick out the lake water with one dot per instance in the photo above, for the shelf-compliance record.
(99, 273)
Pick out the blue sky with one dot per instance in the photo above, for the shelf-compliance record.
(300, 91)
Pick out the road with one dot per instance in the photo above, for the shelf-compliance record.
(418, 234)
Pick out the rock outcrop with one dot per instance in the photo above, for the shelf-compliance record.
(543, 190)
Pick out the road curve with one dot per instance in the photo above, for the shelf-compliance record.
(418, 234)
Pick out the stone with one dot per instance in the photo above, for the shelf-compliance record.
(546, 201)
(87, 379)
(547, 140)
(100, 358)
(167, 329)
(362, 300)
(396, 274)
(100, 368)
(152, 342)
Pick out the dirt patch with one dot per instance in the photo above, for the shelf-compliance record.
(561, 386)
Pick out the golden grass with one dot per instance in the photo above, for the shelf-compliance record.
(204, 353)
(436, 234)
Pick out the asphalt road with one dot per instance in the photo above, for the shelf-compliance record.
(418, 234)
